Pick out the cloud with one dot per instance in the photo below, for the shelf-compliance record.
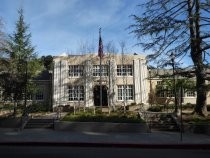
(98, 12)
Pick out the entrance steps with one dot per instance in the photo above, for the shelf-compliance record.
(39, 123)
(160, 121)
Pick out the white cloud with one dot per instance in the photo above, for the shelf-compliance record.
(49, 8)
(101, 14)
(58, 7)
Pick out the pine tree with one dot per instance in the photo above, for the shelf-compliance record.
(23, 62)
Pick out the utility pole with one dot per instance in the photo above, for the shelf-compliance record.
(181, 120)
(174, 82)
(122, 44)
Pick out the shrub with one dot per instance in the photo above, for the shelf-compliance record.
(199, 120)
(133, 104)
(8, 106)
(156, 108)
(113, 117)
(188, 106)
(67, 108)
(39, 107)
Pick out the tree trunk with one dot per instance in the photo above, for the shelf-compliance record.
(197, 57)
(201, 108)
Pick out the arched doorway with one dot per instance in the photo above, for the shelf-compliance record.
(96, 93)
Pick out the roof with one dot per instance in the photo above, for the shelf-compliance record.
(106, 55)
(44, 75)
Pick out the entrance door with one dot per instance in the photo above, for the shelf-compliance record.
(97, 95)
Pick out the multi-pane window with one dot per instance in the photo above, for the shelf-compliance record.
(124, 70)
(39, 96)
(76, 93)
(169, 93)
(125, 92)
(190, 94)
(159, 82)
(164, 91)
(30, 96)
(160, 92)
(76, 70)
(96, 70)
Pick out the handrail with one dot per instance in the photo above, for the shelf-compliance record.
(24, 120)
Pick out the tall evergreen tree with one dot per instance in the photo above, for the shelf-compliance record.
(2, 41)
(23, 64)
(181, 27)
(3, 62)
(47, 62)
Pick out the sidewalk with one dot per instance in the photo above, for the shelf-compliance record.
(111, 139)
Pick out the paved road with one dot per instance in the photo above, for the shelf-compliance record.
(81, 152)
(42, 143)
(45, 135)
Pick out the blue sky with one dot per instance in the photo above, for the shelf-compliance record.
(59, 26)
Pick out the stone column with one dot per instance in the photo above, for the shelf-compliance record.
(56, 74)
(143, 80)
(88, 84)
(137, 84)
(113, 86)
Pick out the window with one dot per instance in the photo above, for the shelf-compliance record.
(190, 94)
(124, 70)
(76, 70)
(96, 70)
(159, 82)
(164, 91)
(76, 93)
(169, 93)
(39, 96)
(125, 90)
(29, 96)
(160, 92)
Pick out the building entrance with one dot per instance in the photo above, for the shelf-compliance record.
(97, 95)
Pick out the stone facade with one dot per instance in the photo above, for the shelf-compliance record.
(42, 94)
(154, 79)
(76, 80)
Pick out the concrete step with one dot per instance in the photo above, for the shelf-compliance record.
(164, 127)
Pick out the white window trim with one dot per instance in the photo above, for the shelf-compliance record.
(77, 71)
(96, 70)
(127, 91)
(186, 96)
(80, 96)
(123, 70)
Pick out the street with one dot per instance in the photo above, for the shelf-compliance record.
(98, 152)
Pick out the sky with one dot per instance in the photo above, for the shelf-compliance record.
(61, 26)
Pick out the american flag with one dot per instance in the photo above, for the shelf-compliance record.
(100, 45)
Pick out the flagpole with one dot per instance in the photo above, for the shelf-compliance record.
(100, 55)
(100, 84)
